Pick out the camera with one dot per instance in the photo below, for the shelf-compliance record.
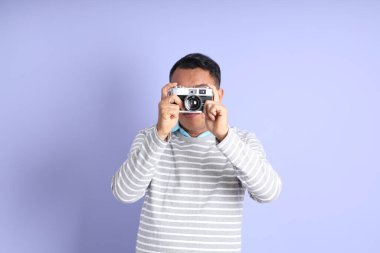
(193, 98)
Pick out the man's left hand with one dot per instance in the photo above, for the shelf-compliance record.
(216, 116)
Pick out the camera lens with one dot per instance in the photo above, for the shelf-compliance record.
(193, 103)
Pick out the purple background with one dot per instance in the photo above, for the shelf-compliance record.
(78, 80)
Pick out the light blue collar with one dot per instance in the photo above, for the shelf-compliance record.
(184, 133)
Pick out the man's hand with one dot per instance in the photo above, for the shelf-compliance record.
(168, 111)
(216, 116)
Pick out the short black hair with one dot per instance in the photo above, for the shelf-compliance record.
(197, 60)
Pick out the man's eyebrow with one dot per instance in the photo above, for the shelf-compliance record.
(201, 85)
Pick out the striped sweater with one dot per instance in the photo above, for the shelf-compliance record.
(194, 189)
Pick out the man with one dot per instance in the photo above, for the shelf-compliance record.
(193, 170)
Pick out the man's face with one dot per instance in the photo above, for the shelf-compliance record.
(194, 122)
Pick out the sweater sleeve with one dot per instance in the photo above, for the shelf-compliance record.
(135, 174)
(251, 166)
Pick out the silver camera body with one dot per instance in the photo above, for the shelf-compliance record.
(193, 98)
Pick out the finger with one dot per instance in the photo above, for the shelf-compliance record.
(211, 117)
(170, 113)
(171, 108)
(208, 112)
(207, 105)
(210, 102)
(214, 91)
(219, 109)
(213, 110)
(164, 90)
(216, 110)
(174, 99)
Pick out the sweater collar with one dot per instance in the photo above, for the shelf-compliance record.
(177, 127)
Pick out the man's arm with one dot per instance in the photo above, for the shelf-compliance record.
(251, 165)
(133, 177)
(135, 174)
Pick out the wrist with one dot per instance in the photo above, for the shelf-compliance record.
(162, 135)
(220, 137)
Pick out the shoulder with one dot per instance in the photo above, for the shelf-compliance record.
(250, 138)
(149, 129)
(243, 134)
(144, 133)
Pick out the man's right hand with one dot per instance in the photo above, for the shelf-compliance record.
(168, 111)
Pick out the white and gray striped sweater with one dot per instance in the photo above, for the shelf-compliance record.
(194, 189)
